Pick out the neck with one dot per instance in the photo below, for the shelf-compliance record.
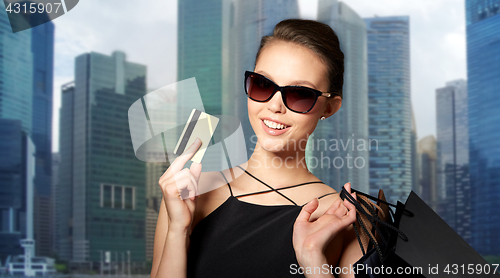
(281, 168)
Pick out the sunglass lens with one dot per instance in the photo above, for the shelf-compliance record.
(259, 88)
(299, 99)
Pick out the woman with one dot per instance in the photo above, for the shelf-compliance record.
(245, 229)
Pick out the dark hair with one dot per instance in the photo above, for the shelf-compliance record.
(319, 38)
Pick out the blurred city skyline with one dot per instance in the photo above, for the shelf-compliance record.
(149, 36)
(409, 84)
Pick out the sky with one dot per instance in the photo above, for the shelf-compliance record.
(146, 31)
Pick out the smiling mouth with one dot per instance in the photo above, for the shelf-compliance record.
(274, 125)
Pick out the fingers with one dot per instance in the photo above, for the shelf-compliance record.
(180, 161)
(350, 216)
(341, 211)
(348, 204)
(334, 207)
(184, 180)
(338, 208)
(195, 170)
(341, 208)
(307, 210)
(347, 187)
(177, 165)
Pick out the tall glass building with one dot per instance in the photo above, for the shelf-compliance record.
(42, 47)
(26, 74)
(16, 147)
(453, 156)
(415, 155)
(16, 74)
(199, 50)
(63, 195)
(389, 106)
(483, 74)
(16, 187)
(339, 143)
(97, 159)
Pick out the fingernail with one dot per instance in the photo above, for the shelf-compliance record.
(197, 140)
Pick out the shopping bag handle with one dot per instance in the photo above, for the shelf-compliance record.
(372, 219)
(343, 195)
(409, 213)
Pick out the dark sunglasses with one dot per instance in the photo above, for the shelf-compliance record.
(298, 99)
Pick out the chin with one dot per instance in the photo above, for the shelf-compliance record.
(272, 145)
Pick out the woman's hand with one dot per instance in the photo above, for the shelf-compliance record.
(310, 238)
(176, 181)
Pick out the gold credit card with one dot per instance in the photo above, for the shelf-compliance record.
(199, 125)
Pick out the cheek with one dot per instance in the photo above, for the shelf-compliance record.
(305, 123)
(318, 108)
(253, 110)
(251, 107)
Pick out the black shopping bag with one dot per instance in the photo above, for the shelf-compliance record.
(436, 247)
(380, 259)
(420, 244)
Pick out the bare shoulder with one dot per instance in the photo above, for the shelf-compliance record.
(213, 191)
(327, 196)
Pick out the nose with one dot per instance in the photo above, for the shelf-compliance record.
(275, 104)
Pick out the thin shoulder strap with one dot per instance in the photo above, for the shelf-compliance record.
(274, 189)
(322, 197)
(327, 194)
(270, 187)
(229, 186)
(281, 188)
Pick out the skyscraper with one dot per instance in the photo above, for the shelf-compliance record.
(483, 69)
(16, 187)
(56, 162)
(199, 48)
(16, 99)
(37, 93)
(348, 128)
(106, 180)
(16, 145)
(453, 156)
(63, 195)
(389, 105)
(42, 47)
(415, 155)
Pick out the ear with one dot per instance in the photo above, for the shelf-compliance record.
(332, 106)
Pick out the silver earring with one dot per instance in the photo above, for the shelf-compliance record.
(322, 118)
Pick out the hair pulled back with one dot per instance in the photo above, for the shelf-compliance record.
(316, 36)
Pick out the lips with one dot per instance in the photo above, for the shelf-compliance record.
(274, 125)
(274, 128)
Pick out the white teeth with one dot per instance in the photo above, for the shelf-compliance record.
(273, 125)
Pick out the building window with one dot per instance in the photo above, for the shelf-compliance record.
(4, 220)
(117, 196)
(106, 196)
(129, 198)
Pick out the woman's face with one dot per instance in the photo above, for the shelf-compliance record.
(289, 64)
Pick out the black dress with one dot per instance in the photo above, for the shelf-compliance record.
(240, 239)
